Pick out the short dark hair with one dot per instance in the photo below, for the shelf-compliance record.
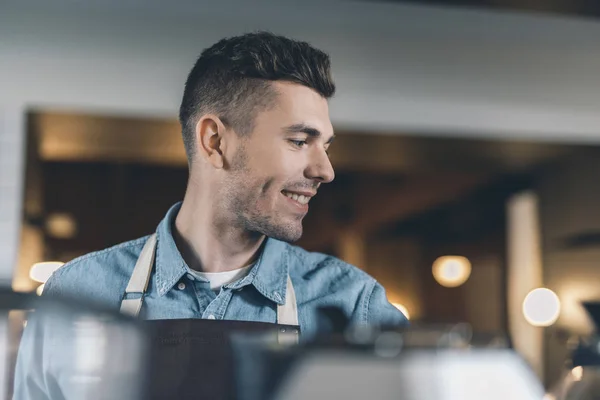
(232, 79)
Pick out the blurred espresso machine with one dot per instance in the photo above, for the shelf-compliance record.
(105, 356)
(416, 363)
(581, 381)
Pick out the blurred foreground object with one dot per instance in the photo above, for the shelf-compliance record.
(417, 363)
(68, 350)
(582, 380)
(418, 375)
(94, 355)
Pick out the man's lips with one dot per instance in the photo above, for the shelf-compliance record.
(301, 192)
(300, 197)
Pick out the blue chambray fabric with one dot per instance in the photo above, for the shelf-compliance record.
(319, 280)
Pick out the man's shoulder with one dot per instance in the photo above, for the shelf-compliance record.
(114, 253)
(99, 276)
(315, 264)
(325, 280)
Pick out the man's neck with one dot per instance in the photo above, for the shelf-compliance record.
(209, 246)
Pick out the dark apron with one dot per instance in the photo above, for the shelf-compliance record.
(193, 358)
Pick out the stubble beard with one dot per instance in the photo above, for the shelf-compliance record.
(242, 197)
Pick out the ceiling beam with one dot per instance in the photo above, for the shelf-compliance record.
(90, 138)
(85, 138)
(421, 193)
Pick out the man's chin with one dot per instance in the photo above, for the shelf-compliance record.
(284, 233)
(286, 238)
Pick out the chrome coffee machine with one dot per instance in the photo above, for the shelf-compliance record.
(415, 363)
(582, 380)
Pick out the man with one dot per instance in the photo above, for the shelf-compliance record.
(256, 130)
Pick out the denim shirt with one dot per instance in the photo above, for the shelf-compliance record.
(174, 293)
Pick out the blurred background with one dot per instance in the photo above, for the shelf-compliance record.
(467, 155)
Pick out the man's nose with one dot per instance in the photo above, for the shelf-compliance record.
(320, 168)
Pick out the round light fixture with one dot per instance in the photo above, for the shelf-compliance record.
(61, 226)
(41, 272)
(451, 271)
(541, 307)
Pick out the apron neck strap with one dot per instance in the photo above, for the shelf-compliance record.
(287, 313)
(138, 283)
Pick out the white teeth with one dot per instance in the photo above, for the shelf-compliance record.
(297, 197)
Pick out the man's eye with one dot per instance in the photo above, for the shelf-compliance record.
(298, 143)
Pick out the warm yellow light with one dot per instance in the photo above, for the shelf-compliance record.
(541, 307)
(549, 396)
(40, 289)
(42, 271)
(577, 373)
(402, 309)
(61, 225)
(451, 271)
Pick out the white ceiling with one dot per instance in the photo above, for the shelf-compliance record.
(398, 67)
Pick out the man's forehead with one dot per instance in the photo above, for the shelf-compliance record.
(293, 95)
(298, 108)
(312, 130)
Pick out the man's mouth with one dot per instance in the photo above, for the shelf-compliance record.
(298, 197)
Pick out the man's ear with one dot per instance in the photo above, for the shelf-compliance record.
(210, 140)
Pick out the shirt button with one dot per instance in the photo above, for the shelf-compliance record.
(181, 286)
(211, 316)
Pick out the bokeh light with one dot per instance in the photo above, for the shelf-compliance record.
(451, 271)
(41, 272)
(402, 309)
(541, 307)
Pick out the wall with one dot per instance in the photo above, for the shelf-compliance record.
(398, 67)
(12, 151)
(396, 263)
(403, 266)
(484, 297)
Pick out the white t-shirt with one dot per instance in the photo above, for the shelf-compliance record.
(219, 279)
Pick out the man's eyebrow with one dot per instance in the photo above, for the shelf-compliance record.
(309, 130)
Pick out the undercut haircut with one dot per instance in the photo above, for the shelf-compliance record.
(232, 79)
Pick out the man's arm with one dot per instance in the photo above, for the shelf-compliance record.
(378, 310)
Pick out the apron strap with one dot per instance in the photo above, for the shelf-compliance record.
(138, 283)
(287, 313)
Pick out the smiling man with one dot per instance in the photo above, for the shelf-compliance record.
(256, 129)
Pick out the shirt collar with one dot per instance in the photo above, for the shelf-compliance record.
(268, 276)
(170, 266)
